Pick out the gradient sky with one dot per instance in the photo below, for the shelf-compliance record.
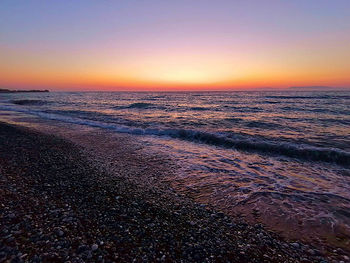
(118, 45)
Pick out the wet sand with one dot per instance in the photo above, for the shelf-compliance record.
(62, 202)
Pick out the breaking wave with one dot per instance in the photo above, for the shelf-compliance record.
(138, 105)
(29, 102)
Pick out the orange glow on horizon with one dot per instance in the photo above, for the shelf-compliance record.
(173, 70)
(153, 58)
(167, 74)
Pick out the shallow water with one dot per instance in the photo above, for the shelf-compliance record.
(280, 158)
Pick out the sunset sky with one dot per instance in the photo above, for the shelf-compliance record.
(170, 45)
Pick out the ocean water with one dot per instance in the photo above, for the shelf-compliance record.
(280, 158)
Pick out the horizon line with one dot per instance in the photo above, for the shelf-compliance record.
(134, 89)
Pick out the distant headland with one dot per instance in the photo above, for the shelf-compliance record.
(17, 91)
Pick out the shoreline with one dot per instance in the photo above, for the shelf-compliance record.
(59, 205)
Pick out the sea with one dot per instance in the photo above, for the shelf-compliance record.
(279, 158)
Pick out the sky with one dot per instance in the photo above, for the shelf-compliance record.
(174, 45)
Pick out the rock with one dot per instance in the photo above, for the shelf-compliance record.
(94, 247)
(220, 214)
(81, 249)
(311, 251)
(88, 254)
(12, 216)
(260, 235)
(197, 257)
(10, 239)
(59, 233)
(295, 245)
(2, 256)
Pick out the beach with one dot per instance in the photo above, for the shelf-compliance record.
(175, 131)
(58, 205)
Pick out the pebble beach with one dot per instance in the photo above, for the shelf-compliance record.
(59, 206)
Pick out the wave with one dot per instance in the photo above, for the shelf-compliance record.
(271, 102)
(336, 121)
(303, 152)
(319, 97)
(200, 108)
(160, 97)
(258, 145)
(29, 102)
(255, 124)
(263, 125)
(317, 110)
(93, 115)
(243, 108)
(300, 97)
(234, 119)
(137, 105)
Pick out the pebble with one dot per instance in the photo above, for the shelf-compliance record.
(60, 233)
(295, 245)
(81, 249)
(94, 247)
(12, 216)
(311, 251)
